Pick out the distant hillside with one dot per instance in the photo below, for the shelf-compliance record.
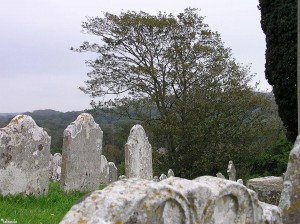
(55, 122)
(115, 129)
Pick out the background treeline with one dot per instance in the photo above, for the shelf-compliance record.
(269, 161)
(115, 129)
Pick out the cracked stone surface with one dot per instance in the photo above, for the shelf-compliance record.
(81, 155)
(24, 158)
(173, 200)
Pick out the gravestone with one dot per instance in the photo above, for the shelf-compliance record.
(24, 158)
(231, 171)
(163, 177)
(155, 179)
(220, 175)
(138, 154)
(50, 166)
(122, 177)
(104, 174)
(56, 160)
(268, 189)
(240, 181)
(290, 196)
(173, 201)
(113, 172)
(81, 155)
(170, 173)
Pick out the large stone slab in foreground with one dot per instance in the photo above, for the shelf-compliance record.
(81, 155)
(24, 158)
(173, 200)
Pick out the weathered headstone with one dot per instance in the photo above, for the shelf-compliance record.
(50, 166)
(155, 179)
(113, 172)
(56, 167)
(290, 196)
(268, 189)
(220, 175)
(163, 177)
(170, 173)
(122, 177)
(138, 154)
(231, 171)
(173, 201)
(104, 174)
(81, 156)
(240, 181)
(24, 158)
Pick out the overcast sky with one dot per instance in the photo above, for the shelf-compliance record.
(38, 70)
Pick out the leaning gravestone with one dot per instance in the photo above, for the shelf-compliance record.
(24, 158)
(56, 167)
(81, 155)
(104, 174)
(113, 172)
(138, 154)
(290, 195)
(173, 201)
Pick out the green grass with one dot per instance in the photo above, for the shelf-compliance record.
(35, 210)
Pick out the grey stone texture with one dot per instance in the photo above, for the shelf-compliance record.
(122, 177)
(155, 179)
(138, 154)
(104, 174)
(24, 158)
(290, 196)
(170, 173)
(173, 201)
(113, 172)
(81, 155)
(240, 181)
(220, 175)
(163, 177)
(55, 167)
(231, 171)
(268, 188)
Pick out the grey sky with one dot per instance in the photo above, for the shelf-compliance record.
(38, 70)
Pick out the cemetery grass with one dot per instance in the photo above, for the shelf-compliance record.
(30, 209)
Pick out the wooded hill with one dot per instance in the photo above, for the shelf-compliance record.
(116, 130)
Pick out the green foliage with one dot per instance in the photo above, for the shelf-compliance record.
(121, 168)
(160, 163)
(273, 161)
(174, 76)
(279, 23)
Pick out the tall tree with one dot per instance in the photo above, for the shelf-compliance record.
(173, 74)
(279, 23)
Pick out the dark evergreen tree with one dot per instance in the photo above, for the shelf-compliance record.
(279, 23)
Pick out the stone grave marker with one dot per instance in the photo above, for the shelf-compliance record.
(56, 167)
(138, 154)
(231, 171)
(113, 172)
(173, 201)
(24, 158)
(290, 195)
(104, 175)
(81, 155)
